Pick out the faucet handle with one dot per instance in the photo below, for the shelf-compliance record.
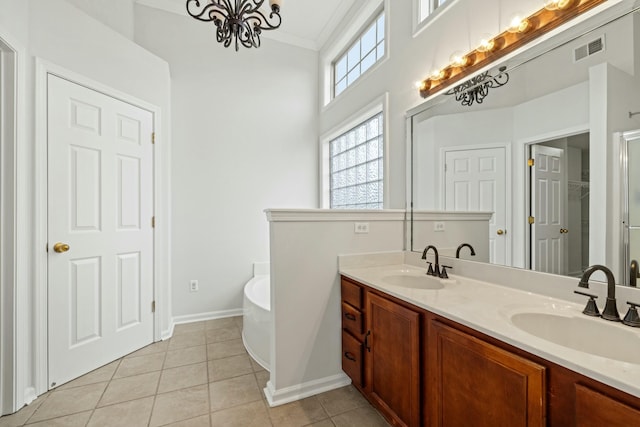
(443, 272)
(430, 269)
(632, 318)
(591, 309)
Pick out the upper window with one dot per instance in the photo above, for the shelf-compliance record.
(427, 7)
(360, 56)
(356, 160)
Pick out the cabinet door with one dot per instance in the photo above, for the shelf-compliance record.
(472, 382)
(392, 359)
(596, 410)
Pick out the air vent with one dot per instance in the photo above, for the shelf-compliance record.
(591, 48)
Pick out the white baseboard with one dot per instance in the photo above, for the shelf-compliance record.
(165, 335)
(303, 390)
(199, 317)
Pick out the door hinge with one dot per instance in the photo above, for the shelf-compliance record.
(153, 306)
(532, 220)
(153, 137)
(47, 247)
(531, 163)
(153, 222)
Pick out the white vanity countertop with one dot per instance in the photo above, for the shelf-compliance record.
(488, 308)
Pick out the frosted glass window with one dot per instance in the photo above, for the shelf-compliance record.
(359, 56)
(427, 7)
(356, 171)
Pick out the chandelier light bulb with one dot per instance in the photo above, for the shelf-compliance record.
(458, 59)
(516, 23)
(487, 44)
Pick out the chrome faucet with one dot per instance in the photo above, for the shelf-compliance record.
(633, 274)
(473, 253)
(610, 308)
(432, 271)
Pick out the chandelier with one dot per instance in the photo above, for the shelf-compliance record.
(477, 88)
(239, 21)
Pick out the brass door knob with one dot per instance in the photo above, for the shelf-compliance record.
(564, 231)
(61, 247)
(501, 232)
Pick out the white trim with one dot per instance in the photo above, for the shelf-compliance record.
(451, 216)
(15, 383)
(322, 215)
(302, 390)
(379, 104)
(420, 25)
(199, 317)
(161, 233)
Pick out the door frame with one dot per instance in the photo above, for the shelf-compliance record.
(507, 186)
(43, 69)
(14, 323)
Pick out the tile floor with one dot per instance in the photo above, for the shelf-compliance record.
(202, 376)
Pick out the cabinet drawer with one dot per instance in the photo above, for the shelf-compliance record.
(352, 319)
(352, 358)
(351, 293)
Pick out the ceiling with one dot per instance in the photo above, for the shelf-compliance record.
(305, 23)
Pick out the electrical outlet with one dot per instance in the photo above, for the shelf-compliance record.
(438, 226)
(193, 286)
(361, 227)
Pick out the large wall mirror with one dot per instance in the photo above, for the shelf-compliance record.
(549, 153)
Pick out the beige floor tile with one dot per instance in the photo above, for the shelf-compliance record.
(233, 392)
(188, 328)
(128, 414)
(202, 421)
(140, 365)
(220, 323)
(252, 414)
(223, 334)
(239, 321)
(130, 388)
(183, 377)
(323, 423)
(185, 356)
(75, 420)
(105, 373)
(180, 405)
(67, 402)
(256, 366)
(342, 400)
(229, 367)
(262, 377)
(224, 349)
(188, 339)
(21, 416)
(156, 347)
(361, 417)
(297, 414)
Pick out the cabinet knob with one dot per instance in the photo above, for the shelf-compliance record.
(349, 356)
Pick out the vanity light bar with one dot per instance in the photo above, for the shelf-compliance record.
(552, 15)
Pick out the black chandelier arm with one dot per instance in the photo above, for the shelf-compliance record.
(212, 11)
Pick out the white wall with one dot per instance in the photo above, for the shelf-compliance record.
(116, 14)
(244, 139)
(57, 32)
(305, 292)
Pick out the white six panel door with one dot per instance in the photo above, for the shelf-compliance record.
(100, 204)
(548, 202)
(475, 180)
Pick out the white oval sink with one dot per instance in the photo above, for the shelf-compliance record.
(413, 282)
(590, 335)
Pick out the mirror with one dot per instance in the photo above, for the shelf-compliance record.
(543, 152)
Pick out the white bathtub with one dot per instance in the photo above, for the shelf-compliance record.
(256, 322)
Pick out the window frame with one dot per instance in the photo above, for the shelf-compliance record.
(377, 106)
(420, 23)
(371, 23)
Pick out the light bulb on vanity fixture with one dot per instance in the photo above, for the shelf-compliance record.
(522, 29)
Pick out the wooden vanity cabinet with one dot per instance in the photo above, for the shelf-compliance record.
(421, 369)
(472, 382)
(388, 372)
